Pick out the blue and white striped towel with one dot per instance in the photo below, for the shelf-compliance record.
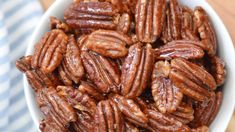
(18, 19)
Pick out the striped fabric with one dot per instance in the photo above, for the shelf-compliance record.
(17, 21)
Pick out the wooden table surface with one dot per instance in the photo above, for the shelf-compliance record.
(225, 9)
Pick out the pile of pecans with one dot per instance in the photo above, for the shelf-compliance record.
(127, 65)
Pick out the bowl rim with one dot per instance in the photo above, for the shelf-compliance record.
(29, 93)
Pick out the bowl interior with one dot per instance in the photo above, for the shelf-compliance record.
(225, 49)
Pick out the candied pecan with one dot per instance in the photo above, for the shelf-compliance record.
(172, 26)
(161, 122)
(71, 68)
(184, 113)
(24, 63)
(124, 23)
(108, 117)
(103, 72)
(49, 125)
(188, 25)
(108, 43)
(217, 69)
(193, 80)
(81, 42)
(49, 50)
(206, 111)
(176, 13)
(136, 70)
(166, 29)
(201, 129)
(84, 105)
(53, 105)
(166, 95)
(91, 90)
(96, 15)
(206, 31)
(179, 49)
(130, 110)
(55, 23)
(38, 80)
(149, 18)
(77, 99)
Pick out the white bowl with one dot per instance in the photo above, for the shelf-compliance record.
(225, 48)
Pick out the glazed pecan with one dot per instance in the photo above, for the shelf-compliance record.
(184, 113)
(108, 117)
(108, 43)
(49, 125)
(38, 80)
(55, 107)
(206, 31)
(56, 23)
(77, 99)
(71, 68)
(81, 42)
(206, 111)
(49, 50)
(149, 19)
(94, 15)
(103, 72)
(161, 122)
(217, 69)
(172, 26)
(188, 25)
(136, 70)
(193, 80)
(124, 23)
(24, 63)
(91, 90)
(179, 49)
(84, 105)
(130, 110)
(166, 95)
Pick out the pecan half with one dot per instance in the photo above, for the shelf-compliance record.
(124, 23)
(71, 68)
(136, 70)
(206, 111)
(95, 15)
(56, 23)
(184, 113)
(166, 95)
(49, 50)
(108, 117)
(84, 105)
(188, 25)
(108, 43)
(103, 72)
(161, 122)
(38, 80)
(55, 107)
(206, 31)
(81, 42)
(193, 80)
(91, 90)
(172, 26)
(24, 63)
(149, 18)
(218, 70)
(179, 49)
(130, 110)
